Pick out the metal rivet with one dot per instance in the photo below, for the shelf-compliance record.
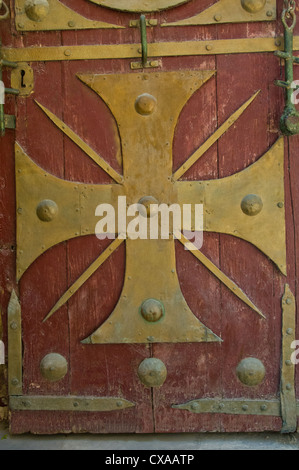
(289, 331)
(119, 404)
(47, 210)
(217, 17)
(71, 24)
(288, 386)
(13, 325)
(75, 404)
(288, 362)
(152, 310)
(195, 406)
(251, 204)
(209, 47)
(288, 301)
(14, 381)
(152, 372)
(149, 209)
(244, 407)
(253, 6)
(221, 406)
(53, 367)
(264, 407)
(67, 52)
(279, 204)
(145, 104)
(36, 10)
(250, 371)
(269, 13)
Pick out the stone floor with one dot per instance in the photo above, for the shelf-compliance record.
(190, 442)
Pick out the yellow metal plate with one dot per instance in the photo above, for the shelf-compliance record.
(54, 18)
(222, 204)
(146, 111)
(139, 5)
(232, 11)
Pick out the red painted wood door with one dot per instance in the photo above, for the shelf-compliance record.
(204, 389)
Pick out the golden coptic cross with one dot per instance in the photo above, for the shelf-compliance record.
(248, 205)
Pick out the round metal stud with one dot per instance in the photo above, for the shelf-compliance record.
(251, 204)
(251, 371)
(47, 210)
(53, 367)
(145, 104)
(152, 310)
(147, 202)
(253, 6)
(152, 372)
(36, 10)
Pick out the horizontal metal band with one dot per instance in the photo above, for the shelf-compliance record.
(161, 49)
(95, 404)
(235, 407)
(67, 403)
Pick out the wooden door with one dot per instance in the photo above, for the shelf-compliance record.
(193, 121)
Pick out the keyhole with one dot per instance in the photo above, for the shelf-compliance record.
(23, 73)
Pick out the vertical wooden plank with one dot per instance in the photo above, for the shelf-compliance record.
(109, 370)
(244, 333)
(197, 378)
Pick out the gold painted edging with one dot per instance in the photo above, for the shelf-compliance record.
(162, 49)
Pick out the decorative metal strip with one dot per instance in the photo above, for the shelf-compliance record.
(52, 15)
(162, 49)
(287, 386)
(68, 403)
(235, 407)
(14, 346)
(232, 11)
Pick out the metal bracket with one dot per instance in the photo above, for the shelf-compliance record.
(149, 22)
(142, 23)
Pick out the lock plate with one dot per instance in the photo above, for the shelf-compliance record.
(22, 79)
